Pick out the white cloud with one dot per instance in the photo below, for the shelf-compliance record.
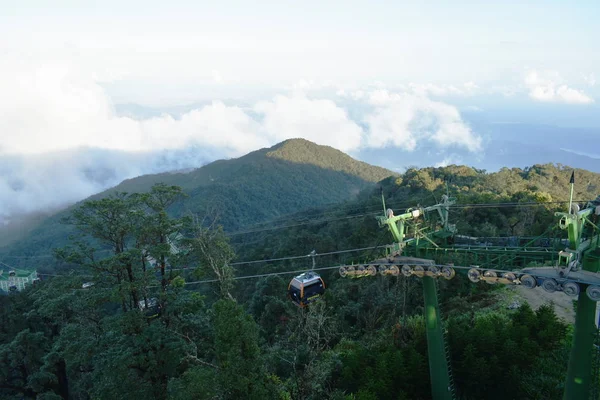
(320, 121)
(438, 90)
(354, 94)
(590, 79)
(504, 90)
(403, 120)
(308, 85)
(227, 128)
(473, 109)
(61, 140)
(548, 86)
(341, 93)
(217, 78)
(45, 182)
(449, 160)
(55, 106)
(357, 95)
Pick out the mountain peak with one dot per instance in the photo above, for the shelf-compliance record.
(299, 147)
(302, 151)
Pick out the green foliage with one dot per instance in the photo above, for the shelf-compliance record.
(493, 348)
(237, 353)
(58, 339)
(195, 383)
(364, 340)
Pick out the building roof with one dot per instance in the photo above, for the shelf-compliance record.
(19, 273)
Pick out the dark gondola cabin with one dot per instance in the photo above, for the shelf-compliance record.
(306, 288)
(150, 307)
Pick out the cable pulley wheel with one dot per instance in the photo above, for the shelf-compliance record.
(492, 277)
(593, 293)
(419, 271)
(509, 276)
(448, 273)
(571, 289)
(550, 285)
(372, 270)
(528, 281)
(474, 275)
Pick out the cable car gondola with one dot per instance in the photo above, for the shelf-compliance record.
(150, 307)
(306, 288)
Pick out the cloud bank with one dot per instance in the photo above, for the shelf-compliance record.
(548, 87)
(404, 120)
(61, 139)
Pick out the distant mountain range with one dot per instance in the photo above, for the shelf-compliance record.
(504, 145)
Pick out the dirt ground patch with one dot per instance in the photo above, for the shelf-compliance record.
(563, 304)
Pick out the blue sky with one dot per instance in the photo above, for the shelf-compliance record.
(114, 85)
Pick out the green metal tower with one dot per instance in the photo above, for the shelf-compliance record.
(576, 274)
(583, 254)
(439, 369)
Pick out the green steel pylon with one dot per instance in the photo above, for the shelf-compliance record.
(439, 368)
(579, 372)
(585, 249)
(595, 382)
(442, 387)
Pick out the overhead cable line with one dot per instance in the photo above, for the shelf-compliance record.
(458, 267)
(301, 224)
(256, 276)
(258, 261)
(367, 210)
(317, 221)
(471, 206)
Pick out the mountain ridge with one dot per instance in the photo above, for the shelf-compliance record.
(254, 188)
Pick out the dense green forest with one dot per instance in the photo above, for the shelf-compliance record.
(351, 224)
(144, 330)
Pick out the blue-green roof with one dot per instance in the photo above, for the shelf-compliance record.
(19, 273)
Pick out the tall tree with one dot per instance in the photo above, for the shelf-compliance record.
(210, 247)
(158, 231)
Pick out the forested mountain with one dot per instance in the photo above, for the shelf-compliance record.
(351, 224)
(291, 176)
(201, 333)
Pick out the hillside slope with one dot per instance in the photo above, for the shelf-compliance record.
(267, 183)
(498, 195)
